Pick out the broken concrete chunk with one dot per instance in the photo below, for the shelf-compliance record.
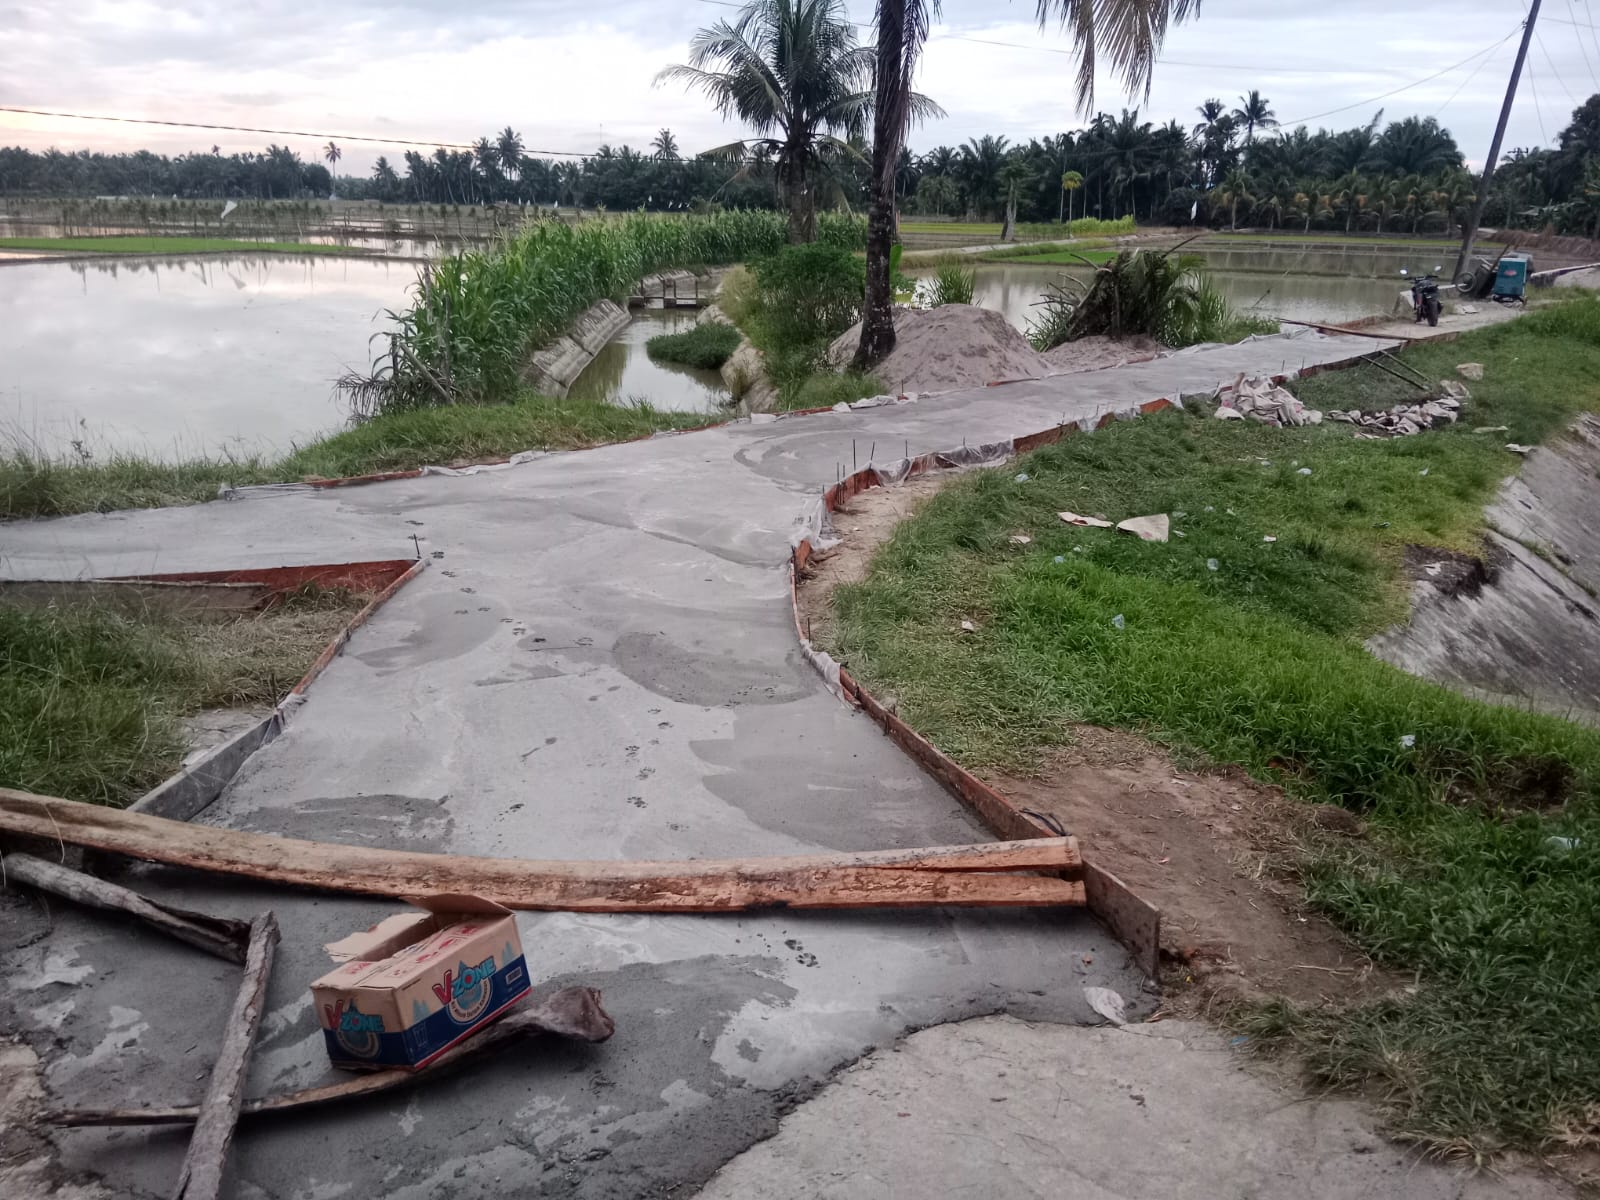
(1153, 528)
(1454, 389)
(1472, 371)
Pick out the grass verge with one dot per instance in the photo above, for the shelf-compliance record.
(1249, 651)
(35, 485)
(92, 700)
(167, 245)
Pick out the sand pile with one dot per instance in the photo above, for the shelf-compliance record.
(1097, 351)
(953, 346)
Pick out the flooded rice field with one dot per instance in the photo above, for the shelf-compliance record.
(175, 357)
(1015, 288)
(623, 372)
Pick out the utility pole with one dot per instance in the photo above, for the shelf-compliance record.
(1494, 146)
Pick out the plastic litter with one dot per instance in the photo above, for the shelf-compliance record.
(1107, 1003)
(1060, 558)
(1303, 471)
(1558, 843)
(1211, 564)
(968, 627)
(1022, 477)
(1424, 470)
(1020, 539)
(1119, 621)
(1072, 518)
(1154, 528)
(1407, 740)
(1269, 538)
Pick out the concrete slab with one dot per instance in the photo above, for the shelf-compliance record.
(1012, 1111)
(601, 664)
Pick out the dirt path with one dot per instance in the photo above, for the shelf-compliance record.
(1211, 848)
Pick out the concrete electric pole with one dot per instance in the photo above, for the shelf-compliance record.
(1494, 146)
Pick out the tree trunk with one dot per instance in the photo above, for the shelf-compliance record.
(896, 58)
(802, 207)
(1233, 216)
(1008, 232)
(877, 314)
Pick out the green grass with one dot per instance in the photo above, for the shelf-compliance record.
(1260, 662)
(707, 346)
(1336, 239)
(92, 700)
(32, 485)
(824, 390)
(167, 245)
(1023, 256)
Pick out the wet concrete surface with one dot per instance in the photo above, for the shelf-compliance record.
(600, 664)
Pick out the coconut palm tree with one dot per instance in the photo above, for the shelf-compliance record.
(1071, 181)
(1128, 33)
(790, 69)
(508, 151)
(1254, 113)
(978, 168)
(333, 154)
(664, 144)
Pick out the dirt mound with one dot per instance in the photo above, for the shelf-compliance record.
(952, 346)
(1097, 351)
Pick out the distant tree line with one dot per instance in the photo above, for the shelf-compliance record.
(1232, 167)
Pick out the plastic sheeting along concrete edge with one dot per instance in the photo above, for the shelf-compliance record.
(1134, 921)
(193, 789)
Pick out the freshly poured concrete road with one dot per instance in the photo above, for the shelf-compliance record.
(601, 663)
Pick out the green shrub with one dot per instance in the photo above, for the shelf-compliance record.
(952, 285)
(707, 346)
(809, 294)
(479, 314)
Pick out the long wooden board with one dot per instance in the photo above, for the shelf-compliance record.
(965, 876)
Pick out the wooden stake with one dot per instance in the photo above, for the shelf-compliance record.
(963, 876)
(221, 936)
(573, 1012)
(200, 1177)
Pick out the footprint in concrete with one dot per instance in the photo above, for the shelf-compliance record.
(637, 801)
(801, 955)
(416, 522)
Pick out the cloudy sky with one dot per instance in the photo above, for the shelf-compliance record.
(570, 74)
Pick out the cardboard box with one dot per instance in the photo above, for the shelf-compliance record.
(416, 983)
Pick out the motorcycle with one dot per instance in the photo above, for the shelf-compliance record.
(1425, 297)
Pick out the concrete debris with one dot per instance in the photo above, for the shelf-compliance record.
(1020, 539)
(1518, 448)
(1492, 429)
(1259, 397)
(1402, 420)
(1467, 309)
(1472, 371)
(1072, 518)
(1150, 529)
(968, 627)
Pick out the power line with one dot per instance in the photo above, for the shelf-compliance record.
(1594, 40)
(1464, 84)
(334, 137)
(1407, 87)
(1584, 50)
(1538, 109)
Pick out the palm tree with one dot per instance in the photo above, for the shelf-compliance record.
(1212, 113)
(664, 144)
(1071, 181)
(1127, 32)
(333, 154)
(1015, 175)
(979, 170)
(792, 70)
(1416, 146)
(1235, 187)
(508, 151)
(1254, 113)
